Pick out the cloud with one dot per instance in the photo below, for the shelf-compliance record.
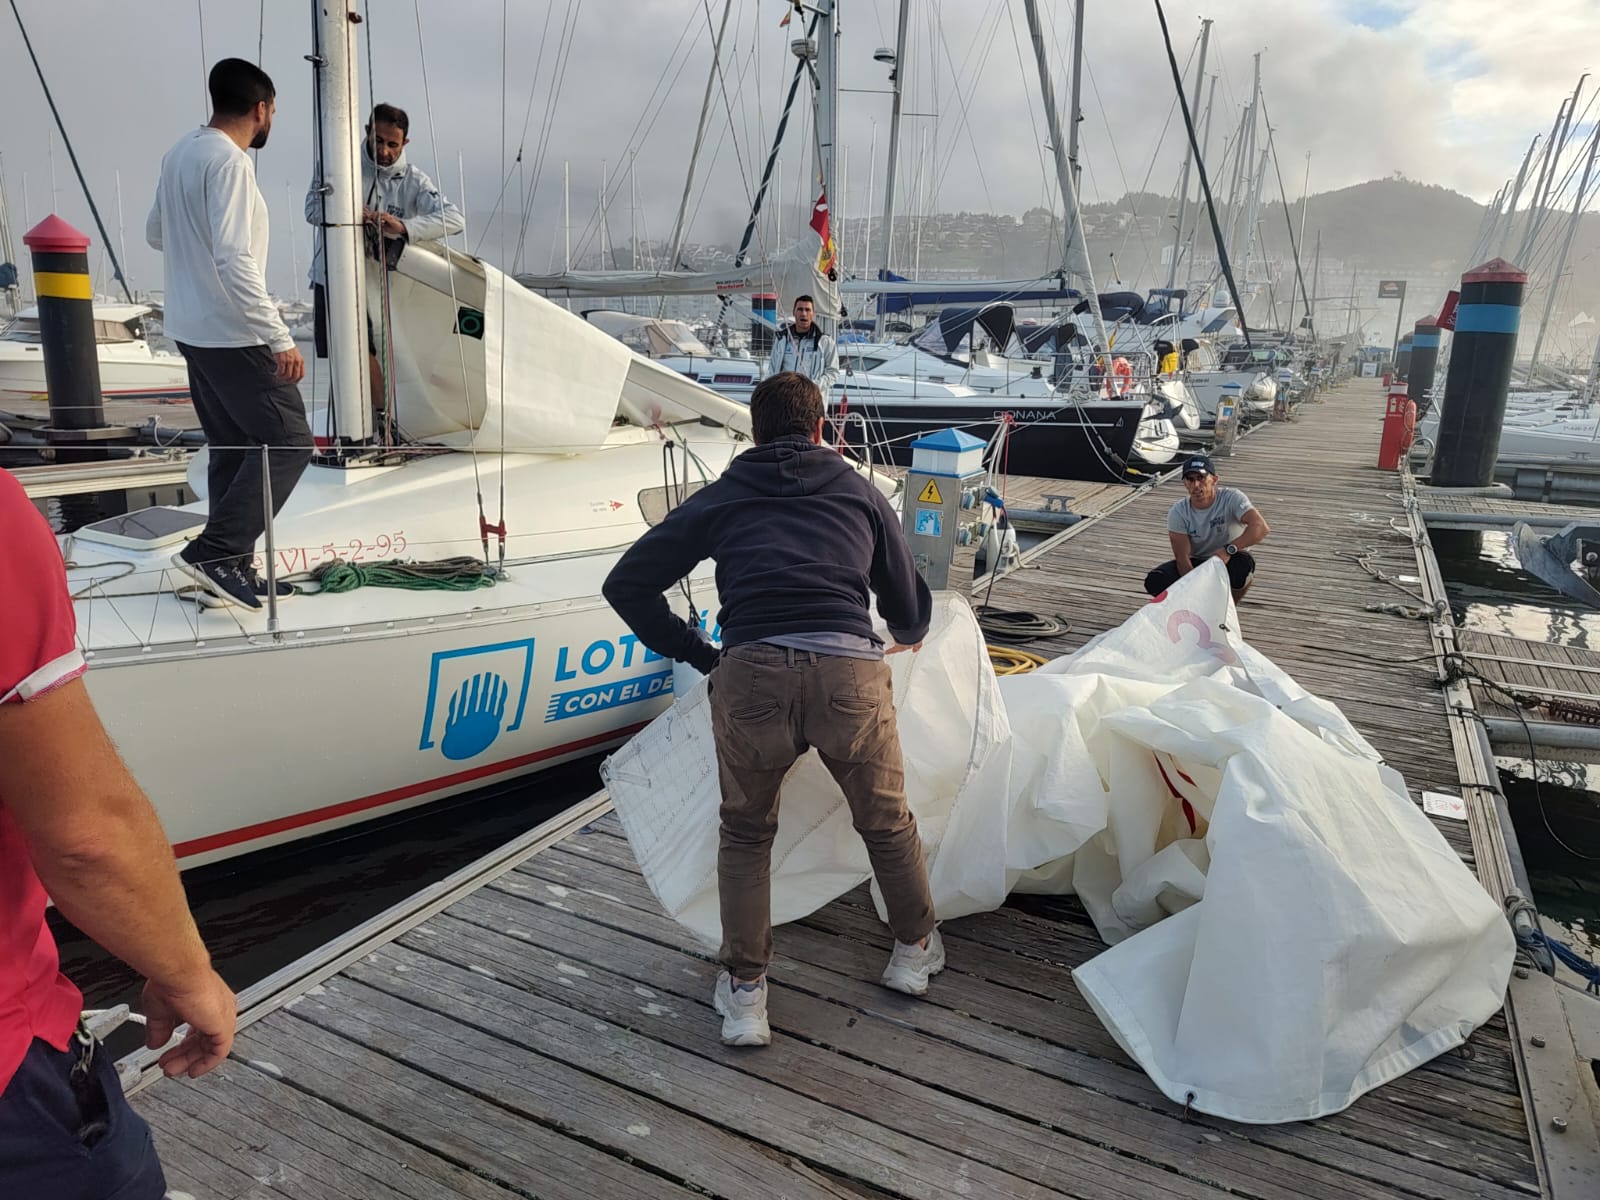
(1447, 91)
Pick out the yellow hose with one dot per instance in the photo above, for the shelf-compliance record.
(1008, 660)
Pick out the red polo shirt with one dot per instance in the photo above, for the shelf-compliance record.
(38, 651)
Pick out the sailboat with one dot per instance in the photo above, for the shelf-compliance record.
(250, 729)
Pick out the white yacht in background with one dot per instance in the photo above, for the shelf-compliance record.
(675, 345)
(130, 369)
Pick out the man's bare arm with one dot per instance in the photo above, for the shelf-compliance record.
(100, 852)
(1181, 549)
(1255, 530)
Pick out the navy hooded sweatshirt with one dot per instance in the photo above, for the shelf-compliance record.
(799, 539)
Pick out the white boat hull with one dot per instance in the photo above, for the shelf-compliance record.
(363, 704)
(255, 745)
(124, 375)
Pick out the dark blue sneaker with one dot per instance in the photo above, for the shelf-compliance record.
(222, 581)
(258, 584)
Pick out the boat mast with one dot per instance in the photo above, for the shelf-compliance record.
(1188, 157)
(1316, 275)
(294, 258)
(1490, 224)
(1305, 200)
(1591, 390)
(1205, 148)
(866, 238)
(1566, 247)
(338, 151)
(122, 238)
(605, 245)
(1064, 174)
(1073, 231)
(8, 253)
(1553, 149)
(1516, 194)
(1252, 216)
(699, 139)
(828, 109)
(896, 73)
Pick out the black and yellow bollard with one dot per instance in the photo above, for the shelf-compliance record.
(77, 432)
(1424, 359)
(66, 325)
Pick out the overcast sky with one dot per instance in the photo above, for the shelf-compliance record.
(1446, 91)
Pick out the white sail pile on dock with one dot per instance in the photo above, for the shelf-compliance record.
(1287, 929)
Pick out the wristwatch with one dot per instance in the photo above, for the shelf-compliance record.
(1231, 549)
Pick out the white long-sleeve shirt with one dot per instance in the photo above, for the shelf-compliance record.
(210, 223)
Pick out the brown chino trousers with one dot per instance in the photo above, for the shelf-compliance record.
(769, 705)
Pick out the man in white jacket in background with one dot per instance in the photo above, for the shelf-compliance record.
(398, 198)
(804, 348)
(210, 223)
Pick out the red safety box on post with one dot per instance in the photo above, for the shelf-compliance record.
(1399, 428)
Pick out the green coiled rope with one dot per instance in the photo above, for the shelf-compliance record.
(441, 575)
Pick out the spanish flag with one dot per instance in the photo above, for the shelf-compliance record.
(819, 221)
(784, 24)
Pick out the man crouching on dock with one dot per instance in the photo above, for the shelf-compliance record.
(799, 538)
(1209, 522)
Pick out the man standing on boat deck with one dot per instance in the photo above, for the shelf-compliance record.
(799, 538)
(74, 825)
(1211, 522)
(210, 224)
(398, 199)
(803, 347)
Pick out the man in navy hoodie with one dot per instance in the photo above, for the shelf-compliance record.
(800, 540)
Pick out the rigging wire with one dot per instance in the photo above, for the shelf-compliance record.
(205, 70)
(642, 127)
(1047, 185)
(455, 303)
(1294, 248)
(568, 32)
(527, 116)
(72, 155)
(966, 123)
(500, 529)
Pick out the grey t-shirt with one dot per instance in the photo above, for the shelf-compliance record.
(1210, 529)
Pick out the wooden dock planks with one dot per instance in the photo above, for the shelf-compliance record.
(551, 1034)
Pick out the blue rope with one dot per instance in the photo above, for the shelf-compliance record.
(1589, 970)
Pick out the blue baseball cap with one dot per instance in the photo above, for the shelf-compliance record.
(1198, 463)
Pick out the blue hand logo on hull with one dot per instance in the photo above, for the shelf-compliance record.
(475, 695)
(476, 711)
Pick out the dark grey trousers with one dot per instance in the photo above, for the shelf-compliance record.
(242, 406)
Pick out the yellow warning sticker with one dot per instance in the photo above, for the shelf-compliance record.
(930, 494)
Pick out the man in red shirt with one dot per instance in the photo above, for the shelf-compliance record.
(76, 827)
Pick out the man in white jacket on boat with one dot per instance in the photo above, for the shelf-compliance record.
(398, 198)
(805, 349)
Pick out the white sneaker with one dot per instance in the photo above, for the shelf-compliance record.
(744, 1013)
(910, 967)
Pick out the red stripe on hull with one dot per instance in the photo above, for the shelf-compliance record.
(410, 791)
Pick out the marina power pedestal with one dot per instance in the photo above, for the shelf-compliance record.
(1226, 429)
(943, 465)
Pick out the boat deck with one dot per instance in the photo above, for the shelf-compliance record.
(540, 1028)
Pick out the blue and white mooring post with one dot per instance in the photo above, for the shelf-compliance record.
(943, 465)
